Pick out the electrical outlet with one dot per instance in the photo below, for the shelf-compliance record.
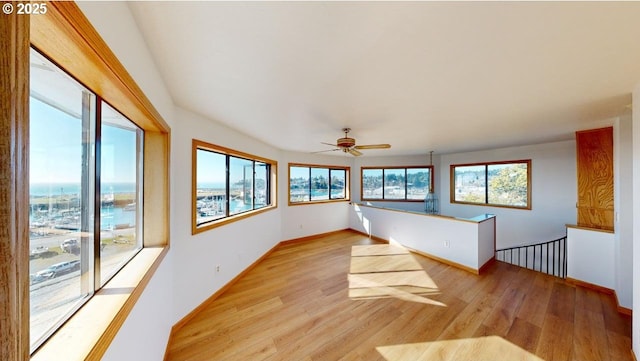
(446, 243)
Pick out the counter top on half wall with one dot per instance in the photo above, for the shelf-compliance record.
(466, 243)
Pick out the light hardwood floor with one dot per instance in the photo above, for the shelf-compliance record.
(295, 306)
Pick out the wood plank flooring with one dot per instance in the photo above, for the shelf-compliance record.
(295, 305)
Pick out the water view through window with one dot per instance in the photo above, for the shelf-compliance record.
(121, 190)
(308, 184)
(397, 183)
(69, 138)
(227, 184)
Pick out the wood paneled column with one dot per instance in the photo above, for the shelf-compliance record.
(14, 181)
(595, 178)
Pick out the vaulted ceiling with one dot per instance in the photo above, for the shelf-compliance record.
(441, 76)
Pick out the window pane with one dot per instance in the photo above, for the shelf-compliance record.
(240, 185)
(338, 181)
(120, 187)
(211, 189)
(418, 182)
(508, 184)
(372, 183)
(299, 184)
(262, 191)
(319, 184)
(61, 193)
(394, 184)
(470, 184)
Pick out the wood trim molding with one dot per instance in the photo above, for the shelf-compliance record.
(574, 226)
(315, 236)
(67, 37)
(605, 290)
(446, 261)
(347, 192)
(435, 258)
(452, 180)
(228, 285)
(217, 294)
(273, 188)
(431, 168)
(98, 321)
(14, 175)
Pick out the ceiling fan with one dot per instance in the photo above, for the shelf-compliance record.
(348, 145)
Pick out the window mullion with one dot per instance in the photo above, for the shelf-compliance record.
(310, 184)
(405, 184)
(383, 186)
(486, 184)
(253, 189)
(329, 183)
(228, 186)
(88, 176)
(97, 196)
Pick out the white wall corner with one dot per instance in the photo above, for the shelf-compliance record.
(636, 222)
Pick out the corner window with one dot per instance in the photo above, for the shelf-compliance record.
(229, 185)
(396, 183)
(85, 195)
(502, 184)
(315, 183)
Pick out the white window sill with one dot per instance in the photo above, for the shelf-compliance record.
(89, 332)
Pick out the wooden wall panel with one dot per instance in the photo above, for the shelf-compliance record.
(595, 178)
(14, 178)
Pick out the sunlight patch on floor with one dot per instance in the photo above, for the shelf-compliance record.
(488, 348)
(383, 270)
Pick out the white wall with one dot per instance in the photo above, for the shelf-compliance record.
(623, 204)
(234, 246)
(448, 238)
(149, 320)
(237, 245)
(309, 219)
(553, 191)
(151, 317)
(590, 257)
(636, 223)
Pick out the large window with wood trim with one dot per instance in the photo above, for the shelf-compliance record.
(229, 185)
(85, 191)
(317, 183)
(396, 183)
(85, 134)
(501, 184)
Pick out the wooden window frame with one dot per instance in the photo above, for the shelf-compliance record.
(383, 168)
(452, 187)
(347, 193)
(65, 36)
(272, 186)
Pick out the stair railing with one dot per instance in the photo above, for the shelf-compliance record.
(546, 257)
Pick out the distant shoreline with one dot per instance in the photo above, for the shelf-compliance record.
(119, 199)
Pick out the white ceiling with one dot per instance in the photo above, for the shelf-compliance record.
(441, 76)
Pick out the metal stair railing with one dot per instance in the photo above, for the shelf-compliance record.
(546, 257)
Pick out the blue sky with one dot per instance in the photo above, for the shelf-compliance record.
(56, 149)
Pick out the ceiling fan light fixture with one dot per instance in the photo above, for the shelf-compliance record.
(348, 145)
(346, 142)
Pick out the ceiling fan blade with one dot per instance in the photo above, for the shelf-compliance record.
(323, 151)
(333, 145)
(373, 146)
(355, 152)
